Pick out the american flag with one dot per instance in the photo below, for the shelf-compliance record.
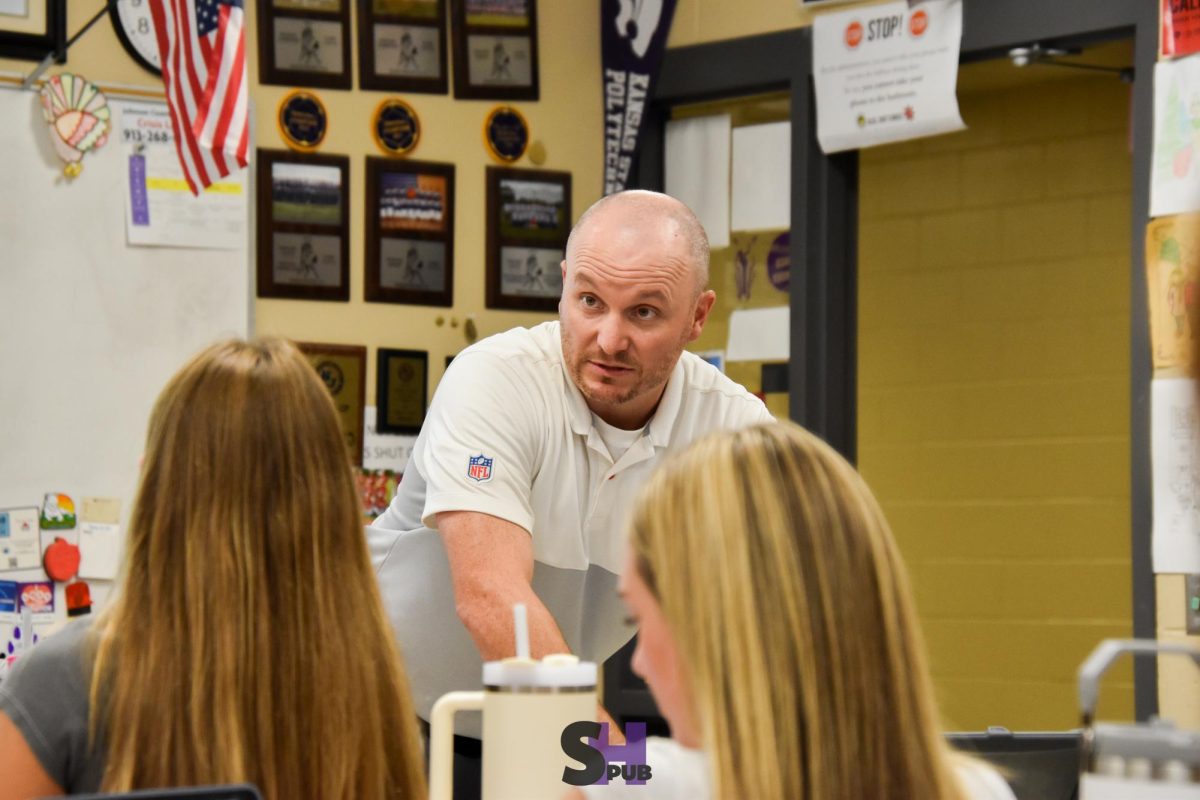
(203, 54)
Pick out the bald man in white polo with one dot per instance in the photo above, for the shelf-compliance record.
(535, 444)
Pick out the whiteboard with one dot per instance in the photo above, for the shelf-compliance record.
(91, 328)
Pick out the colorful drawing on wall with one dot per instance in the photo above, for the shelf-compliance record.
(78, 115)
(1173, 270)
(376, 487)
(1175, 174)
(58, 512)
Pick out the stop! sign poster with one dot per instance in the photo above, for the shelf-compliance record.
(886, 73)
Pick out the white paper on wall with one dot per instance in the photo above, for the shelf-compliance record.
(759, 334)
(160, 210)
(697, 171)
(99, 550)
(1175, 453)
(762, 177)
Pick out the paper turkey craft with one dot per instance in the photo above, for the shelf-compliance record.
(78, 115)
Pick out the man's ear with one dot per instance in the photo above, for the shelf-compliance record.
(704, 304)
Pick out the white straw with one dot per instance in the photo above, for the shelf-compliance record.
(26, 629)
(521, 623)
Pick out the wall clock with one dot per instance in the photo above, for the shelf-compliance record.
(135, 29)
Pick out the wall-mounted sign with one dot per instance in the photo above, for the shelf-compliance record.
(886, 73)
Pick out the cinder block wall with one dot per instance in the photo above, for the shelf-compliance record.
(993, 391)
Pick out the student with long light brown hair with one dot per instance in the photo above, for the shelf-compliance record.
(778, 633)
(247, 641)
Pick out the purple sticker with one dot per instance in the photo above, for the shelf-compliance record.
(779, 262)
(139, 202)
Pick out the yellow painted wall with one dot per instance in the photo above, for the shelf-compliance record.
(993, 391)
(566, 120)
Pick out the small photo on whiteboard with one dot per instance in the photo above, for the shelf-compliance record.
(14, 8)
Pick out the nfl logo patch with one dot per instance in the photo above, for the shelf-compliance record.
(479, 468)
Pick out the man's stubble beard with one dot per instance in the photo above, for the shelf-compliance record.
(642, 385)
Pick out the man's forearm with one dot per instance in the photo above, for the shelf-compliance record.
(487, 614)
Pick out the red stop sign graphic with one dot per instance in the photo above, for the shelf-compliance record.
(854, 34)
(919, 22)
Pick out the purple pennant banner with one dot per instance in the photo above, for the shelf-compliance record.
(633, 38)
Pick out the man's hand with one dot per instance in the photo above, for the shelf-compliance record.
(491, 564)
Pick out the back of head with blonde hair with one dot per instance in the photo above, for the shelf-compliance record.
(789, 604)
(248, 641)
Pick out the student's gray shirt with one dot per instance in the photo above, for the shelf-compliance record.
(46, 696)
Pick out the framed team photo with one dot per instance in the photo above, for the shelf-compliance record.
(303, 226)
(529, 220)
(410, 232)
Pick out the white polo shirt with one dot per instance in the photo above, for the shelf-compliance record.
(510, 435)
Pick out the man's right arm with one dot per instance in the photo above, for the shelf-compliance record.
(491, 565)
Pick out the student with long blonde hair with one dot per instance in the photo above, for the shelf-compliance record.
(778, 633)
(247, 641)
